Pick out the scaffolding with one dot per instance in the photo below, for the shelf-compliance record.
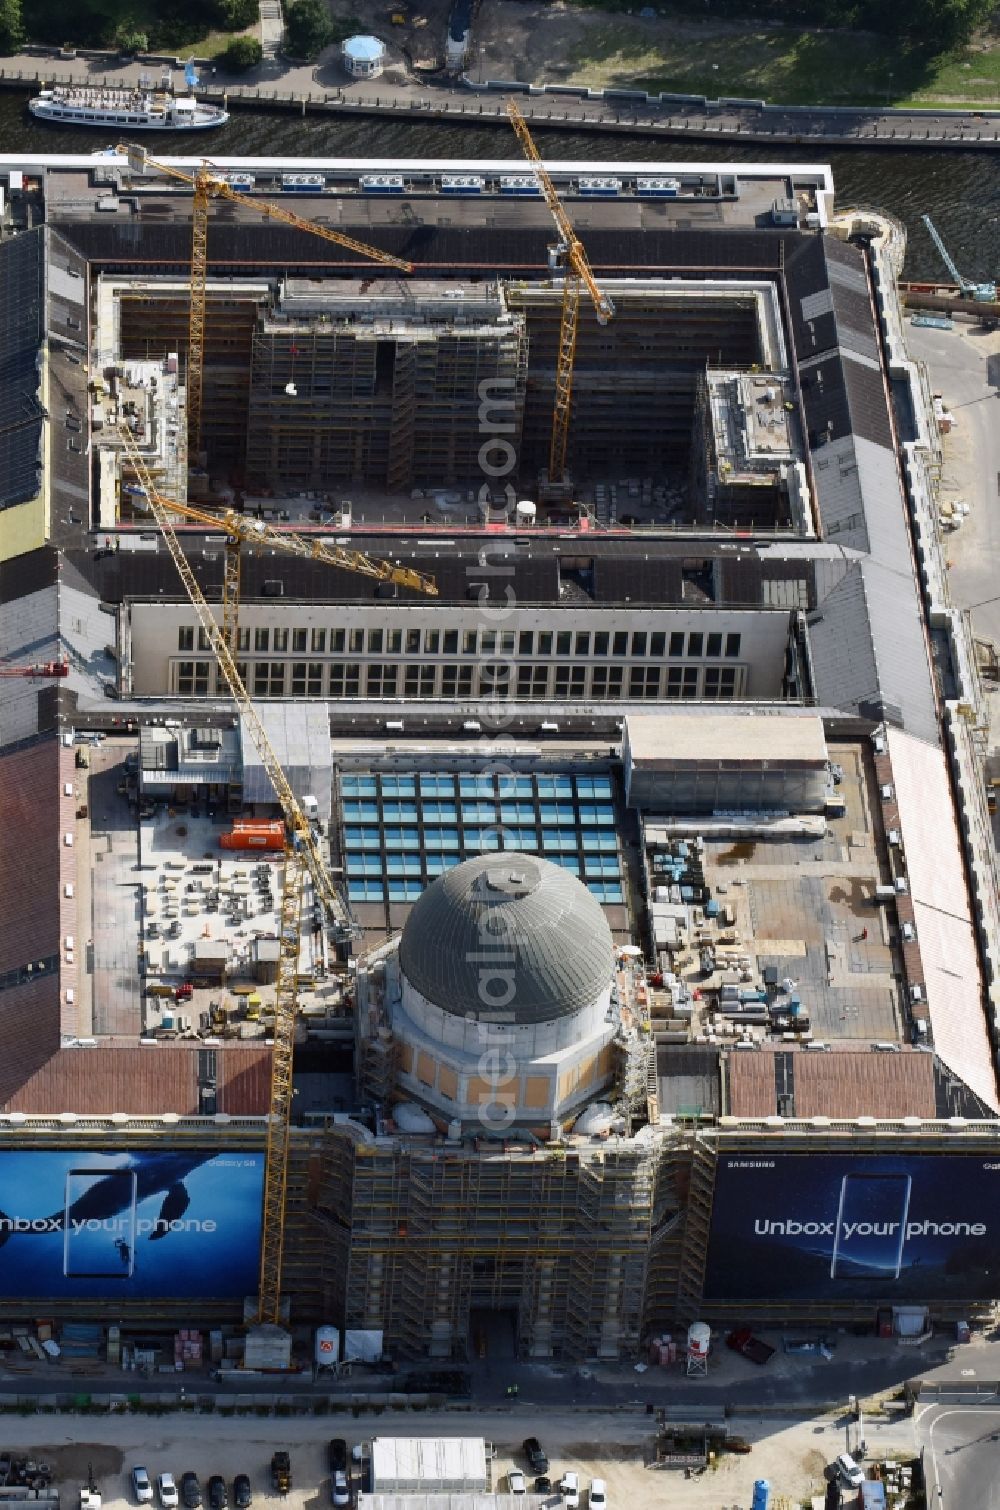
(553, 1240)
(634, 380)
(153, 322)
(390, 397)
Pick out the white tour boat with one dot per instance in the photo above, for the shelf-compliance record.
(143, 108)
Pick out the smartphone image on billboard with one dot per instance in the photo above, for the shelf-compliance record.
(871, 1226)
(99, 1224)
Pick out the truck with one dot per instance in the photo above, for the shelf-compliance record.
(281, 1472)
(743, 1341)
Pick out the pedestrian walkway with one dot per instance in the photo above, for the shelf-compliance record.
(272, 28)
(280, 84)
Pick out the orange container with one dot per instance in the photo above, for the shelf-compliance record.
(273, 839)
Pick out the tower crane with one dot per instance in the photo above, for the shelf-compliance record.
(240, 531)
(208, 185)
(983, 293)
(570, 254)
(302, 853)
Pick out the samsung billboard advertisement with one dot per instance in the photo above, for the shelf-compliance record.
(836, 1227)
(130, 1226)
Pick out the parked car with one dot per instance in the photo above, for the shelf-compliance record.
(535, 1453)
(218, 1499)
(543, 1484)
(569, 1488)
(191, 1491)
(598, 1495)
(167, 1491)
(242, 1493)
(515, 1482)
(281, 1472)
(340, 1489)
(743, 1341)
(141, 1487)
(848, 1470)
(338, 1455)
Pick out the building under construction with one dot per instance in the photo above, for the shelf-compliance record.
(379, 385)
(675, 1004)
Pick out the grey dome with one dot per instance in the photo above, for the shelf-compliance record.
(508, 934)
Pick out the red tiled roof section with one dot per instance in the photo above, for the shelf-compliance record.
(145, 1081)
(30, 869)
(838, 1083)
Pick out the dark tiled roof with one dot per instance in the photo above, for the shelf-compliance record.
(29, 862)
(636, 571)
(30, 897)
(22, 311)
(24, 575)
(244, 245)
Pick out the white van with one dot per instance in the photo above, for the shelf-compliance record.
(848, 1471)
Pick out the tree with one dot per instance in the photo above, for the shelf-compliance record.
(236, 15)
(241, 54)
(307, 28)
(11, 26)
(129, 39)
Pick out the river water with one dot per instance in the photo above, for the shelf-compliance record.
(961, 191)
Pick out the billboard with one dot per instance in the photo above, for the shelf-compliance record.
(130, 1225)
(870, 1228)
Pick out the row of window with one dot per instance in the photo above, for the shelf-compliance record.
(409, 890)
(505, 784)
(603, 867)
(637, 643)
(433, 813)
(396, 840)
(491, 680)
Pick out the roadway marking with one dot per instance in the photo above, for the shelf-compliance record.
(959, 1410)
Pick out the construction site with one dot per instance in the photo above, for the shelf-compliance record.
(499, 764)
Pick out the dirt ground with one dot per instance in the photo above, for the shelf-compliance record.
(558, 43)
(416, 46)
(614, 1445)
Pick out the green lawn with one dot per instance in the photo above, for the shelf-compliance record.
(215, 43)
(778, 64)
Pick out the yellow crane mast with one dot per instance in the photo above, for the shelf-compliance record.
(578, 274)
(208, 185)
(302, 852)
(239, 531)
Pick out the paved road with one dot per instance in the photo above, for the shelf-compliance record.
(865, 1367)
(964, 366)
(960, 1454)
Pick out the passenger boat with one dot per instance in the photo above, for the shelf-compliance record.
(143, 108)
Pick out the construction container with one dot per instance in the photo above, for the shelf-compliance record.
(429, 1465)
(267, 836)
(269, 1348)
